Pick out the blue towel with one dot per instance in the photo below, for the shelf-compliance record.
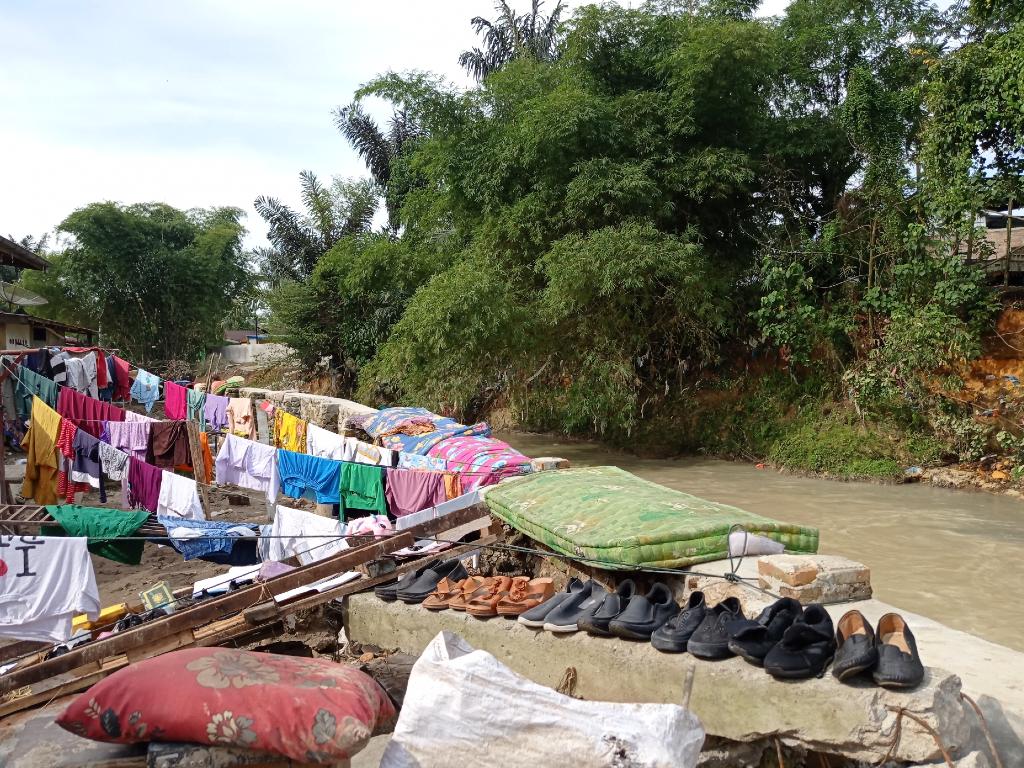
(146, 389)
(223, 545)
(311, 477)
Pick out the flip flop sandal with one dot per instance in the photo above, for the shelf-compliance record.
(485, 605)
(446, 590)
(469, 587)
(525, 595)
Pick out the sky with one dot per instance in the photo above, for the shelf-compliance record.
(198, 103)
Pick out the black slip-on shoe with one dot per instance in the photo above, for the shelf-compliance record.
(752, 640)
(613, 604)
(899, 665)
(855, 646)
(711, 640)
(536, 616)
(645, 613)
(674, 634)
(580, 605)
(806, 647)
(389, 592)
(422, 586)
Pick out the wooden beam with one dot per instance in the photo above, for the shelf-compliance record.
(153, 632)
(204, 613)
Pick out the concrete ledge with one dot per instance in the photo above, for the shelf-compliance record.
(733, 699)
(327, 412)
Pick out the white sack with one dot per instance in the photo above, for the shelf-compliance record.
(464, 707)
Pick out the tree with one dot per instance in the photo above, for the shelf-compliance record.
(383, 153)
(511, 36)
(300, 239)
(154, 280)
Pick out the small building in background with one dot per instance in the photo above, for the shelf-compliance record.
(19, 330)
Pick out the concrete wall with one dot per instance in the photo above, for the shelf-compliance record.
(241, 354)
(733, 699)
(327, 412)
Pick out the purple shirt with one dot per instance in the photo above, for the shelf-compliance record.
(410, 490)
(144, 484)
(216, 411)
(132, 437)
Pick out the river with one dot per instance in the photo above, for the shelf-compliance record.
(954, 556)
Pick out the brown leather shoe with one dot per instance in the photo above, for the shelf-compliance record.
(469, 588)
(446, 590)
(525, 594)
(486, 604)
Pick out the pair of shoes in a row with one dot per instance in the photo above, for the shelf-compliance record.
(484, 597)
(794, 642)
(889, 652)
(415, 586)
(590, 607)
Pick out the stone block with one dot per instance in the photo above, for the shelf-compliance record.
(734, 700)
(814, 578)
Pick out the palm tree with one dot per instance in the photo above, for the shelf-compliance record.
(513, 35)
(331, 212)
(379, 150)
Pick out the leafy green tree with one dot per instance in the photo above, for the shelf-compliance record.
(513, 35)
(384, 152)
(300, 239)
(154, 280)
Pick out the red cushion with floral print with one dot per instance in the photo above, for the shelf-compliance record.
(310, 710)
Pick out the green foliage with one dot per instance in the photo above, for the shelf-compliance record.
(634, 207)
(154, 280)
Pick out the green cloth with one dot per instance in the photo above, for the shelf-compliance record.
(103, 527)
(362, 487)
(30, 383)
(608, 516)
(196, 405)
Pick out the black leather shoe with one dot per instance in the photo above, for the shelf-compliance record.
(899, 665)
(426, 582)
(806, 647)
(645, 613)
(855, 646)
(536, 616)
(389, 592)
(674, 634)
(753, 639)
(579, 605)
(614, 603)
(711, 639)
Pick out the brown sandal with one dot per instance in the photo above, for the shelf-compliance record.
(469, 587)
(446, 590)
(484, 604)
(524, 595)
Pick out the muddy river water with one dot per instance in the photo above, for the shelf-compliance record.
(954, 556)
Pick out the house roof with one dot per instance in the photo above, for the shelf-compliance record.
(19, 256)
(241, 336)
(19, 317)
(996, 238)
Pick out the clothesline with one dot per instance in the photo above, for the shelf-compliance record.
(215, 433)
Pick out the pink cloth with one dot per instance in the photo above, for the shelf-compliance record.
(480, 461)
(132, 437)
(410, 490)
(133, 416)
(175, 401)
(144, 481)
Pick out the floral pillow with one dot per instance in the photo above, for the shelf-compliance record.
(310, 710)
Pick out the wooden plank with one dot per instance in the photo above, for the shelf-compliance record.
(205, 612)
(167, 644)
(199, 466)
(233, 602)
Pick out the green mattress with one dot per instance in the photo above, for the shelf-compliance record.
(612, 518)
